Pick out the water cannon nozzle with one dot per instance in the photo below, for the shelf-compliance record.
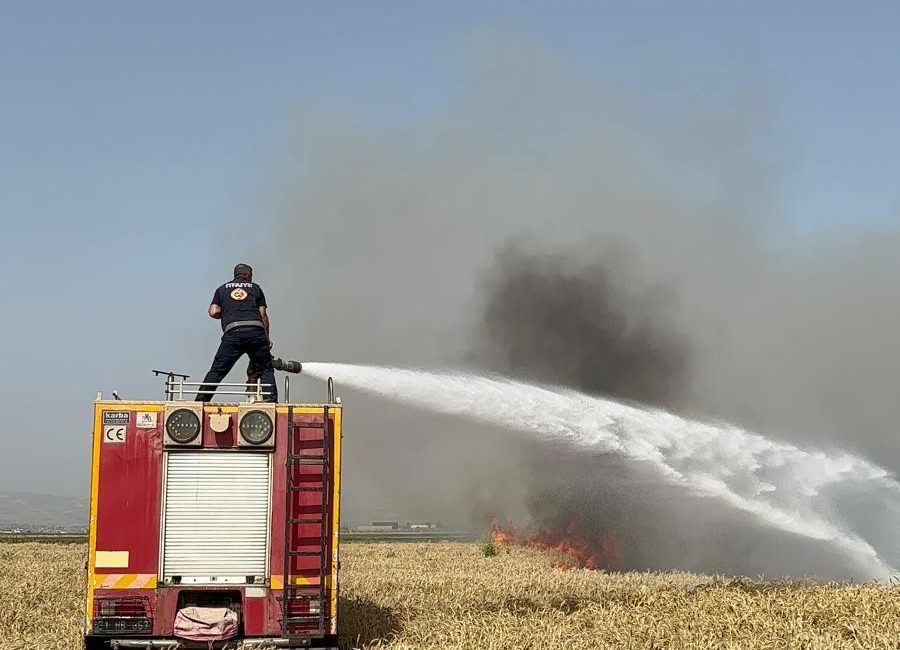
(287, 365)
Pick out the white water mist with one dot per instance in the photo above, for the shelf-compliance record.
(781, 485)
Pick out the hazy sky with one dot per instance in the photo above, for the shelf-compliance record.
(144, 148)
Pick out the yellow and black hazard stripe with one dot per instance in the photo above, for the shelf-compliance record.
(124, 581)
(277, 581)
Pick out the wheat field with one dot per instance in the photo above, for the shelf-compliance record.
(448, 595)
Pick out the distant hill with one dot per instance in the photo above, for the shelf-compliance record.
(27, 510)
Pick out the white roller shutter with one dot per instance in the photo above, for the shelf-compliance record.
(216, 517)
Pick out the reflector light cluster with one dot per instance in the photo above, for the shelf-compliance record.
(114, 615)
(121, 606)
(304, 606)
(183, 426)
(256, 427)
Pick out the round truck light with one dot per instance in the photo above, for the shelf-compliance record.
(183, 426)
(256, 427)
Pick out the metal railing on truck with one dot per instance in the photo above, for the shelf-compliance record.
(177, 387)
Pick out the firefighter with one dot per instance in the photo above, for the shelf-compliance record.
(241, 306)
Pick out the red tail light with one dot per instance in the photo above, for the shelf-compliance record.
(121, 606)
(303, 607)
(122, 615)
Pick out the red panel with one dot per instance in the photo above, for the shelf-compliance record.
(128, 503)
(166, 609)
(273, 614)
(225, 440)
(255, 616)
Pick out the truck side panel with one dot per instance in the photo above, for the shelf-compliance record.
(125, 500)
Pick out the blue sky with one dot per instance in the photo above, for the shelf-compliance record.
(134, 134)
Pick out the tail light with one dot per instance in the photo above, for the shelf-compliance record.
(122, 614)
(304, 607)
(303, 615)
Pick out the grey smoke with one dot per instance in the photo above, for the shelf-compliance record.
(385, 250)
(551, 320)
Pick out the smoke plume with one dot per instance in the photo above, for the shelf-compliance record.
(557, 228)
(574, 326)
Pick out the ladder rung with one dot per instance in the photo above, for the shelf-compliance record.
(288, 601)
(307, 520)
(304, 553)
(307, 425)
(302, 618)
(307, 460)
(306, 488)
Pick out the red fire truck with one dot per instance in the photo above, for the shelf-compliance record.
(216, 507)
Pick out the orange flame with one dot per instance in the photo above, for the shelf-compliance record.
(578, 549)
(508, 535)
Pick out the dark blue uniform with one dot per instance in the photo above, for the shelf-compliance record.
(243, 332)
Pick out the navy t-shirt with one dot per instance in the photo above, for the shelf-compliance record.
(240, 300)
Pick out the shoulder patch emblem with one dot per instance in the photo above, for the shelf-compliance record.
(238, 294)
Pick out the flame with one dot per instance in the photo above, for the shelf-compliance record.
(578, 549)
(508, 535)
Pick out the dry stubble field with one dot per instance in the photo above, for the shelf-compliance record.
(450, 596)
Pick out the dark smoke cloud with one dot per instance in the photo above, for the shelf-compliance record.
(386, 251)
(549, 319)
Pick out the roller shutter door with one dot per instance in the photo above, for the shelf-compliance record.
(216, 517)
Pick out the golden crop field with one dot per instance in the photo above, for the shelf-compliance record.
(447, 595)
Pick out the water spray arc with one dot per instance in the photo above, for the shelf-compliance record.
(780, 485)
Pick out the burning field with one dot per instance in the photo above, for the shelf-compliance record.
(575, 548)
(458, 596)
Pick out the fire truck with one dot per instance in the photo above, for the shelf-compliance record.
(229, 510)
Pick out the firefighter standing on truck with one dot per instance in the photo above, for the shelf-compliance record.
(241, 306)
